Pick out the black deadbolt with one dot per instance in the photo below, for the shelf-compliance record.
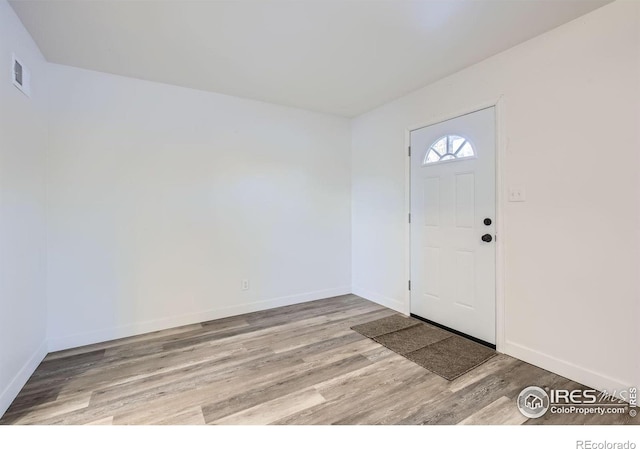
(487, 238)
(487, 221)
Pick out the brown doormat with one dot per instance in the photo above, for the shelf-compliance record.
(446, 354)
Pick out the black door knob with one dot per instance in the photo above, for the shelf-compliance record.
(487, 221)
(487, 238)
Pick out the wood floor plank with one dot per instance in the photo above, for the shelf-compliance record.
(108, 421)
(207, 384)
(191, 416)
(364, 397)
(48, 411)
(280, 387)
(115, 372)
(501, 411)
(451, 408)
(490, 366)
(348, 350)
(128, 342)
(388, 405)
(270, 411)
(299, 364)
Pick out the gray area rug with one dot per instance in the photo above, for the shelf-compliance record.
(446, 354)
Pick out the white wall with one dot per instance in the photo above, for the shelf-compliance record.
(570, 123)
(23, 132)
(161, 199)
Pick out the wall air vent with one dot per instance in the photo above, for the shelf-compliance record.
(21, 76)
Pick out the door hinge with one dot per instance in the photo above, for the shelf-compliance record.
(409, 217)
(409, 285)
(409, 148)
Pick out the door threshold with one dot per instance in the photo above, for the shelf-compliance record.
(453, 331)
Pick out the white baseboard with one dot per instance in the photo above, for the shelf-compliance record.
(398, 306)
(566, 369)
(21, 378)
(129, 330)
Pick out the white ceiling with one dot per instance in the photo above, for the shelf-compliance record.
(341, 57)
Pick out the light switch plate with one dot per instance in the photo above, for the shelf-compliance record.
(516, 194)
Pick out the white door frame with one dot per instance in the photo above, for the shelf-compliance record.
(500, 157)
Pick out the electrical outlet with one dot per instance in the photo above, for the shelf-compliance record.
(516, 194)
(245, 284)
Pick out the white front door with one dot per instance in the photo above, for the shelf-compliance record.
(453, 224)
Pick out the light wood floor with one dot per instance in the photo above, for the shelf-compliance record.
(299, 364)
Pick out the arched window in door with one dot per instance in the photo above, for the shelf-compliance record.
(448, 148)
